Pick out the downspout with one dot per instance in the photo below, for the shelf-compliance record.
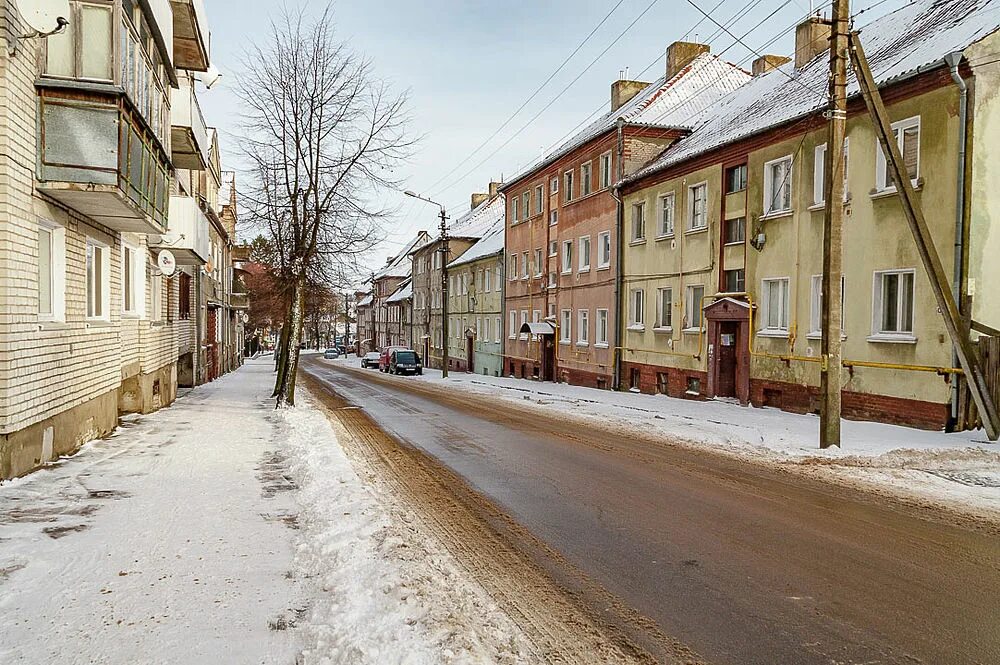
(616, 348)
(953, 60)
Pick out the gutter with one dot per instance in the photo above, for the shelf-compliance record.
(616, 352)
(952, 60)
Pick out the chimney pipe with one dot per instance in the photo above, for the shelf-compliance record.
(812, 37)
(622, 91)
(766, 63)
(680, 55)
(478, 198)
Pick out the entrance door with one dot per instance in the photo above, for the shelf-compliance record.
(469, 351)
(212, 342)
(729, 333)
(548, 357)
(427, 353)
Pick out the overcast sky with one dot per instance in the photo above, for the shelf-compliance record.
(469, 65)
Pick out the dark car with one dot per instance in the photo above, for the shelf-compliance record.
(405, 361)
(370, 359)
(384, 357)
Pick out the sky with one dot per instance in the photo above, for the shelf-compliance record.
(468, 66)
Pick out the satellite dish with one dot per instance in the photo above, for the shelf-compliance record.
(44, 16)
(165, 262)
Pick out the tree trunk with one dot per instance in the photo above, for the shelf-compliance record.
(281, 356)
(286, 393)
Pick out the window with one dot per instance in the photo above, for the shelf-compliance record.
(734, 281)
(893, 303)
(524, 319)
(819, 173)
(816, 306)
(735, 230)
(638, 222)
(601, 331)
(539, 202)
(554, 185)
(637, 309)
(774, 317)
(585, 180)
(525, 268)
(778, 186)
(526, 204)
(538, 262)
(584, 253)
(133, 280)
(156, 298)
(664, 308)
(497, 337)
(512, 328)
(552, 280)
(486, 275)
(84, 48)
(736, 178)
(551, 311)
(568, 186)
(666, 215)
(512, 267)
(553, 247)
(184, 296)
(553, 217)
(907, 134)
(98, 291)
(567, 256)
(697, 207)
(436, 257)
(583, 327)
(515, 207)
(605, 170)
(603, 249)
(694, 316)
(51, 272)
(565, 323)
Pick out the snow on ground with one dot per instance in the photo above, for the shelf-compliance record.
(961, 470)
(219, 530)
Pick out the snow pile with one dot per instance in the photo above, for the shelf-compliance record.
(389, 593)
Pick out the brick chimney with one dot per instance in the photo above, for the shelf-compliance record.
(680, 55)
(477, 198)
(495, 188)
(812, 37)
(766, 63)
(622, 91)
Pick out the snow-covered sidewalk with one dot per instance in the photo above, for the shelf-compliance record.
(960, 471)
(219, 530)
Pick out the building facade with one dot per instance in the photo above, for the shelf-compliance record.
(722, 297)
(384, 331)
(562, 237)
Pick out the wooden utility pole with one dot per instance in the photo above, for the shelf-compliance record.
(444, 293)
(958, 328)
(833, 227)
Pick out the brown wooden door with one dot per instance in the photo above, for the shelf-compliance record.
(729, 332)
(548, 357)
(469, 354)
(212, 352)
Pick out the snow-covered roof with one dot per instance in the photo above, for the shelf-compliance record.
(490, 244)
(365, 302)
(666, 103)
(400, 266)
(479, 220)
(898, 45)
(402, 293)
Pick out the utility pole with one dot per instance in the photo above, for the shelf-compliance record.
(833, 229)
(444, 293)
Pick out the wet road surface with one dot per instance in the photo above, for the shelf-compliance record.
(744, 564)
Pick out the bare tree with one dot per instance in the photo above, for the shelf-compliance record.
(322, 135)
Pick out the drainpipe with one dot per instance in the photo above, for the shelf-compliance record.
(953, 60)
(616, 348)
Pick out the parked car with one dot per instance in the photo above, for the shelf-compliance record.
(342, 349)
(370, 359)
(331, 354)
(383, 359)
(405, 361)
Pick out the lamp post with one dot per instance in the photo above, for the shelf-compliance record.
(444, 280)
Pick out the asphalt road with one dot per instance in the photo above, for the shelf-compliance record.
(744, 564)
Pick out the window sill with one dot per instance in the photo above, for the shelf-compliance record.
(583, 197)
(918, 185)
(131, 316)
(822, 204)
(566, 272)
(600, 345)
(639, 241)
(777, 214)
(892, 339)
(564, 342)
(98, 323)
(737, 243)
(584, 270)
(667, 236)
(583, 344)
(776, 333)
(701, 229)
(605, 267)
(819, 336)
(53, 324)
(636, 327)
(664, 329)
(692, 331)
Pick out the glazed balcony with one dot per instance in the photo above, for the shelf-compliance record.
(189, 142)
(239, 300)
(191, 36)
(98, 157)
(187, 232)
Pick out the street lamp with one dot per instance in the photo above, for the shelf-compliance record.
(444, 280)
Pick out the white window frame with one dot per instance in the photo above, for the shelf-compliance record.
(568, 186)
(539, 261)
(583, 327)
(664, 323)
(525, 266)
(498, 337)
(515, 208)
(156, 298)
(57, 271)
(554, 185)
(605, 170)
(601, 318)
(637, 309)
(526, 204)
(667, 216)
(770, 206)
(584, 254)
(784, 307)
(879, 335)
(586, 178)
(816, 303)
(93, 246)
(637, 223)
(567, 257)
(692, 307)
(881, 163)
(553, 248)
(697, 222)
(603, 241)
(512, 333)
(553, 217)
(565, 326)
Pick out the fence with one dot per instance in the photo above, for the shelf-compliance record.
(968, 414)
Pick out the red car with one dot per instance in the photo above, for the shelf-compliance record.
(383, 358)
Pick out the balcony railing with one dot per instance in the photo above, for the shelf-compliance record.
(187, 232)
(239, 300)
(191, 36)
(98, 158)
(189, 144)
